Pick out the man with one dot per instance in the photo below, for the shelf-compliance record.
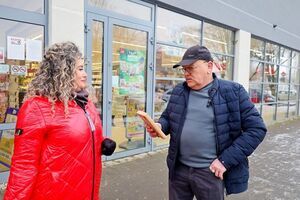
(214, 127)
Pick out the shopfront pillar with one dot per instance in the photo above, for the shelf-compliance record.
(242, 58)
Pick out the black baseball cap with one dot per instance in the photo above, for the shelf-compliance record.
(193, 54)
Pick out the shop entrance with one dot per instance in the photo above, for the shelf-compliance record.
(119, 56)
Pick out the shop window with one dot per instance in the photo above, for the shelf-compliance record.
(220, 42)
(280, 69)
(124, 7)
(270, 73)
(271, 54)
(166, 57)
(21, 51)
(256, 72)
(175, 33)
(21, 47)
(285, 57)
(28, 5)
(177, 29)
(295, 75)
(223, 66)
(296, 59)
(257, 49)
(218, 39)
(284, 75)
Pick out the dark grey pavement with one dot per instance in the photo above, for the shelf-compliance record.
(274, 171)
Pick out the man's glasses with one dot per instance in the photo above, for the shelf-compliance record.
(189, 69)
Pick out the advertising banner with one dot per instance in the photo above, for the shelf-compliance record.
(132, 71)
(132, 84)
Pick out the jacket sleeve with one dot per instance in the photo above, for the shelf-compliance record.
(164, 121)
(29, 133)
(253, 131)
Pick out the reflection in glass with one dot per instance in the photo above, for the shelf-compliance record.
(296, 59)
(28, 5)
(282, 111)
(270, 73)
(97, 64)
(132, 9)
(284, 75)
(223, 66)
(218, 39)
(257, 49)
(177, 29)
(268, 113)
(269, 93)
(163, 90)
(166, 57)
(285, 56)
(295, 75)
(272, 52)
(285, 92)
(256, 72)
(128, 87)
(255, 93)
(293, 108)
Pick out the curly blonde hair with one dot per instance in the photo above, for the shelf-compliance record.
(55, 77)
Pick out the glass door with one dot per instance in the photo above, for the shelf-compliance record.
(118, 55)
(129, 59)
(95, 61)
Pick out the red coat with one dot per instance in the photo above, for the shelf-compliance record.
(55, 157)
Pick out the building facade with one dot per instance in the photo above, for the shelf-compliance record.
(130, 47)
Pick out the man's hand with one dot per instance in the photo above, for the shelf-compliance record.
(217, 168)
(151, 131)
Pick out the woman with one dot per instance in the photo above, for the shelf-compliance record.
(57, 152)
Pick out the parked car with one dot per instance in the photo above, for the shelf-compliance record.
(286, 93)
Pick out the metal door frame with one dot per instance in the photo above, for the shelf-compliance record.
(108, 23)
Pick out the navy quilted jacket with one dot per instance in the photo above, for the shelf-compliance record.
(238, 125)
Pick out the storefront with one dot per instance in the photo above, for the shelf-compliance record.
(22, 40)
(274, 80)
(130, 48)
(131, 54)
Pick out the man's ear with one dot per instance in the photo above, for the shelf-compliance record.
(210, 66)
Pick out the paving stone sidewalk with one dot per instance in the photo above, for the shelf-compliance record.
(274, 171)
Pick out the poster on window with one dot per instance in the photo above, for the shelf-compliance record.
(6, 149)
(15, 48)
(34, 50)
(132, 71)
(18, 70)
(1, 55)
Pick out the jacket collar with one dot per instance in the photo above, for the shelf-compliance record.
(215, 86)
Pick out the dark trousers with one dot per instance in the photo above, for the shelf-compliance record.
(201, 183)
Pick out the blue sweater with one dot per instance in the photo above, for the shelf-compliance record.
(238, 125)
